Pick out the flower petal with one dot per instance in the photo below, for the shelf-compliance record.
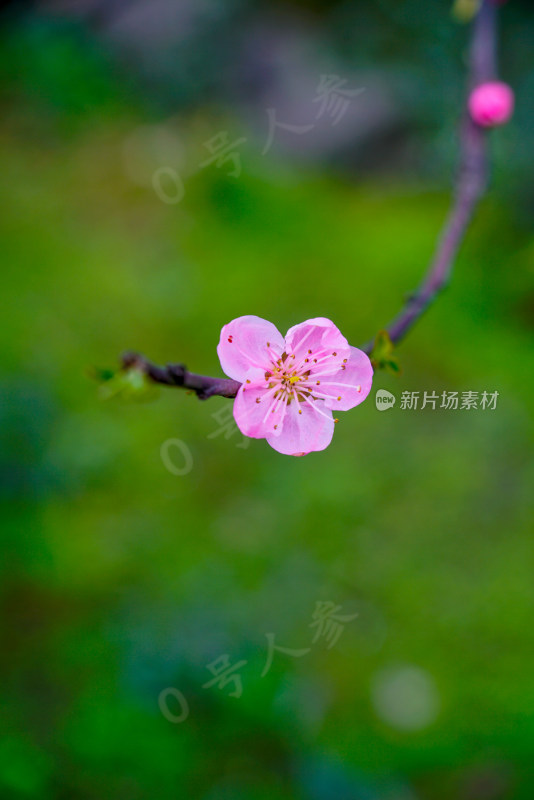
(350, 386)
(257, 411)
(306, 432)
(245, 344)
(316, 335)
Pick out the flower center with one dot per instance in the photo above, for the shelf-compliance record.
(285, 377)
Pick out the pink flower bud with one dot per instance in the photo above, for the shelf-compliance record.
(491, 104)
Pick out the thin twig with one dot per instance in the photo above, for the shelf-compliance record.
(469, 188)
(470, 184)
(178, 375)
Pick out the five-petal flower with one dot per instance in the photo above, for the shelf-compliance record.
(291, 386)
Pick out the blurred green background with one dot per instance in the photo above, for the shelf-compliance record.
(121, 576)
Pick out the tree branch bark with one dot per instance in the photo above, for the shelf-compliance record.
(178, 375)
(470, 184)
(469, 188)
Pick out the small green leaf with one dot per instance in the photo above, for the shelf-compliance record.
(465, 10)
(127, 384)
(382, 355)
(100, 374)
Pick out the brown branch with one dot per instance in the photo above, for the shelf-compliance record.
(470, 184)
(469, 188)
(178, 375)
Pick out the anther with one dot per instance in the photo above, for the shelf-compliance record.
(275, 427)
(318, 383)
(339, 398)
(358, 388)
(247, 381)
(336, 420)
(334, 354)
(258, 400)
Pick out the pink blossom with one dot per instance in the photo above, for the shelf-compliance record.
(291, 386)
(491, 104)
